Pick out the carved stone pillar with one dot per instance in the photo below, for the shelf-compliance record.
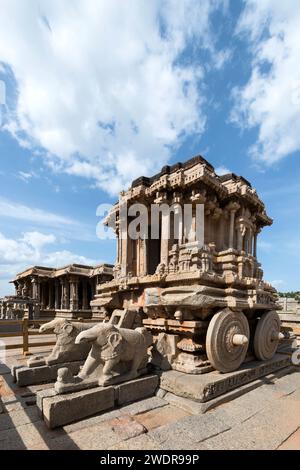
(35, 288)
(241, 234)
(145, 256)
(16, 284)
(50, 296)
(25, 290)
(164, 249)
(232, 208)
(221, 241)
(124, 257)
(250, 242)
(85, 304)
(19, 289)
(42, 295)
(93, 287)
(67, 294)
(56, 301)
(74, 294)
(256, 233)
(63, 294)
(191, 235)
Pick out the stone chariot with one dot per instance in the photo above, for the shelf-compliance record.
(204, 301)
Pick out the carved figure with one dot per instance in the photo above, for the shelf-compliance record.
(117, 355)
(65, 349)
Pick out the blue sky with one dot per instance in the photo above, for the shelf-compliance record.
(98, 94)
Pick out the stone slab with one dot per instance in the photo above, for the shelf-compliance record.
(63, 409)
(41, 395)
(59, 410)
(143, 406)
(203, 388)
(153, 419)
(42, 374)
(135, 390)
(196, 408)
(191, 429)
(14, 369)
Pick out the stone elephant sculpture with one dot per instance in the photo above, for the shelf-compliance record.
(117, 355)
(65, 349)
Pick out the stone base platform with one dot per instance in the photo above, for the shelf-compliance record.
(59, 410)
(206, 387)
(41, 374)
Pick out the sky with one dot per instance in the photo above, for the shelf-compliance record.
(94, 93)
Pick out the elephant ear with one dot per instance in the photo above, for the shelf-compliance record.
(68, 328)
(115, 340)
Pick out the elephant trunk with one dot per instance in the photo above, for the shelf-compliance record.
(86, 336)
(50, 326)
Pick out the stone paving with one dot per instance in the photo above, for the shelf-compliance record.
(265, 418)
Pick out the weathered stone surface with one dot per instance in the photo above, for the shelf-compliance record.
(97, 438)
(14, 405)
(185, 404)
(144, 405)
(15, 419)
(4, 369)
(292, 443)
(160, 393)
(155, 418)
(59, 410)
(191, 429)
(143, 442)
(264, 430)
(205, 387)
(126, 427)
(246, 391)
(94, 420)
(63, 409)
(14, 369)
(42, 374)
(136, 390)
(264, 418)
(41, 395)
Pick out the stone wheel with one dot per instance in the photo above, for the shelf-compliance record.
(267, 336)
(227, 340)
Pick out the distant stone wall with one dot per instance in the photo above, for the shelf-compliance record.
(289, 305)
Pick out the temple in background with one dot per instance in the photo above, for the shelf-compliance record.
(63, 292)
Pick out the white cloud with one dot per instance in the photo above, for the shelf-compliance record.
(101, 85)
(32, 248)
(18, 211)
(222, 170)
(278, 283)
(26, 176)
(270, 100)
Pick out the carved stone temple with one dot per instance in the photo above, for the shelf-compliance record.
(64, 292)
(206, 304)
(186, 311)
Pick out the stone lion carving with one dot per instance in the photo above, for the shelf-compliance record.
(65, 349)
(117, 354)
